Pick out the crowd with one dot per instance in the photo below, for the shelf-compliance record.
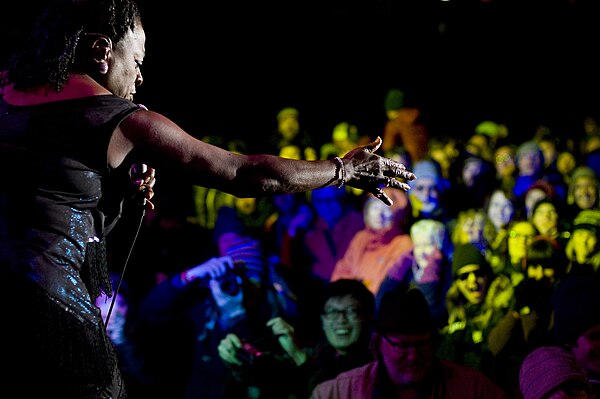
(306, 269)
(490, 227)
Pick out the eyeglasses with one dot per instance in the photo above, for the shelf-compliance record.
(514, 234)
(404, 347)
(351, 313)
(478, 274)
(503, 158)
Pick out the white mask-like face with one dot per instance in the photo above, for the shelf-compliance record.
(426, 194)
(378, 216)
(500, 210)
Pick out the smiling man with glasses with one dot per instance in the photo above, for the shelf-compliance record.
(405, 364)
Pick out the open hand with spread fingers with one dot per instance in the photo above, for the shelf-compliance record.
(368, 171)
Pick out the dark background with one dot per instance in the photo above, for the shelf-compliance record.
(225, 68)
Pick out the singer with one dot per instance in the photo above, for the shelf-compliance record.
(69, 133)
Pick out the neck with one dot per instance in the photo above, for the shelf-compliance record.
(79, 85)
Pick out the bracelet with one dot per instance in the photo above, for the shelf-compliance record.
(340, 171)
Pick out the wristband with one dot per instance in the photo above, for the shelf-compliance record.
(340, 172)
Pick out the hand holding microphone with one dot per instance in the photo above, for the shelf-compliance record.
(143, 178)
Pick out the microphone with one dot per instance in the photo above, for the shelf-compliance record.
(138, 170)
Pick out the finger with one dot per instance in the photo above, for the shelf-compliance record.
(397, 169)
(149, 204)
(373, 145)
(398, 184)
(381, 195)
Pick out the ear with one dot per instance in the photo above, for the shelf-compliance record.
(102, 52)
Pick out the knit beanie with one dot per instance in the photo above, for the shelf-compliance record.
(583, 171)
(546, 368)
(394, 100)
(404, 312)
(287, 113)
(588, 219)
(468, 254)
(576, 303)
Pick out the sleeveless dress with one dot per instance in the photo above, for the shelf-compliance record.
(55, 211)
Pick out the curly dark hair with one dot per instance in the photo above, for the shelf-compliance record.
(55, 46)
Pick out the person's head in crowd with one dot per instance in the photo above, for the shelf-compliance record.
(427, 190)
(520, 234)
(529, 159)
(549, 144)
(348, 314)
(480, 146)
(504, 161)
(536, 192)
(473, 226)
(584, 189)
(430, 239)
(343, 139)
(493, 130)
(393, 102)
(232, 238)
(288, 123)
(478, 178)
(545, 217)
(551, 372)
(405, 337)
(383, 219)
(472, 273)
(566, 163)
(576, 304)
(545, 260)
(444, 151)
(583, 246)
(501, 208)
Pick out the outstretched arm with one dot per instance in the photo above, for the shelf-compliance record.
(158, 141)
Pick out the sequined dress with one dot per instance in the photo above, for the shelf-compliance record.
(54, 212)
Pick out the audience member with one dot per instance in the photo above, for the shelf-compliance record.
(576, 305)
(290, 140)
(527, 325)
(405, 364)
(507, 258)
(343, 139)
(380, 245)
(428, 267)
(583, 192)
(472, 226)
(583, 246)
(428, 193)
(501, 211)
(404, 126)
(550, 372)
(444, 150)
(476, 181)
(504, 163)
(476, 301)
(547, 218)
(337, 221)
(292, 371)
